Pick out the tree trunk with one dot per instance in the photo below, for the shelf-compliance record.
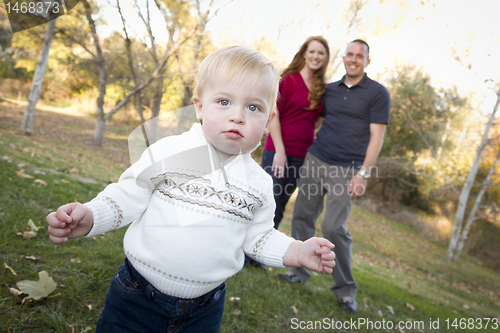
(189, 78)
(101, 67)
(98, 131)
(155, 111)
(472, 215)
(29, 113)
(464, 194)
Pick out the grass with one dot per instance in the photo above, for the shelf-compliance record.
(401, 275)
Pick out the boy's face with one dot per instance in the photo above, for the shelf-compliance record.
(235, 116)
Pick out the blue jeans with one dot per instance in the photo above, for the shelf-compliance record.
(134, 305)
(282, 187)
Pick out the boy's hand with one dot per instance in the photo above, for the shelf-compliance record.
(314, 254)
(72, 220)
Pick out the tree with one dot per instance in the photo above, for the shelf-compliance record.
(29, 113)
(460, 232)
(416, 146)
(177, 32)
(187, 75)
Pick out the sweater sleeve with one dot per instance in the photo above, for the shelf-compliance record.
(118, 204)
(121, 203)
(264, 243)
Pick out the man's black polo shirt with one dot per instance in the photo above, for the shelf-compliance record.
(345, 132)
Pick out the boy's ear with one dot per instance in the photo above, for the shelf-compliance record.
(271, 117)
(197, 106)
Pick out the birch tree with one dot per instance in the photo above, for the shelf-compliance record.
(460, 232)
(29, 113)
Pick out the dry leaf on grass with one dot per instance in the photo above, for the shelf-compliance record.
(409, 306)
(23, 175)
(33, 226)
(391, 310)
(10, 269)
(35, 290)
(30, 233)
(64, 181)
(294, 309)
(30, 257)
(40, 182)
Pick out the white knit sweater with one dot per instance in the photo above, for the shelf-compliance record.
(193, 218)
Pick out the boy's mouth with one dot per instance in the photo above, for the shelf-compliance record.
(233, 134)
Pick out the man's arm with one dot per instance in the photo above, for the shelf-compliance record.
(319, 122)
(357, 185)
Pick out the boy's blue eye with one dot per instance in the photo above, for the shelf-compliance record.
(224, 102)
(253, 108)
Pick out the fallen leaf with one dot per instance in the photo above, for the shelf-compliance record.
(64, 181)
(232, 299)
(23, 175)
(409, 306)
(391, 310)
(29, 234)
(466, 306)
(30, 257)
(41, 182)
(237, 312)
(74, 171)
(25, 150)
(37, 290)
(33, 226)
(15, 292)
(294, 309)
(380, 313)
(10, 269)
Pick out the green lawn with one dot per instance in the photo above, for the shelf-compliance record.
(402, 276)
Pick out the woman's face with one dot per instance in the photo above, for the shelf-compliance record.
(315, 55)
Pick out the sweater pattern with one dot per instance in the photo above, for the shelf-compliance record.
(199, 191)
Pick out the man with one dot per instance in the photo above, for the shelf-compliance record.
(338, 164)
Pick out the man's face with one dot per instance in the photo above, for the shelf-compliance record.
(235, 116)
(356, 60)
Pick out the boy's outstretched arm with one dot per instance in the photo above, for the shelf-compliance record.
(314, 254)
(72, 220)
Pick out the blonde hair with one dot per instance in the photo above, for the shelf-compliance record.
(319, 82)
(234, 64)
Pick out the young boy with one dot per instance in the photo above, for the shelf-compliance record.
(198, 202)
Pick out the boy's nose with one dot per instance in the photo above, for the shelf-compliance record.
(237, 116)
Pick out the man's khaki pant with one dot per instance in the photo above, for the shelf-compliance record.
(318, 178)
